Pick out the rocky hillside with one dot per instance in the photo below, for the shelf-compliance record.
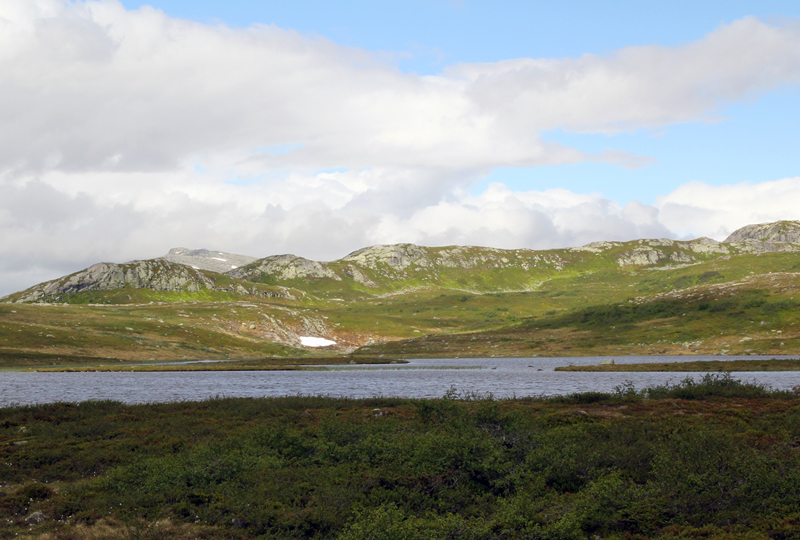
(392, 269)
(777, 236)
(154, 275)
(397, 268)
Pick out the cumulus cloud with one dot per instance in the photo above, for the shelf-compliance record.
(717, 211)
(637, 87)
(126, 132)
(92, 86)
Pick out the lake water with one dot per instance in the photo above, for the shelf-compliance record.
(503, 377)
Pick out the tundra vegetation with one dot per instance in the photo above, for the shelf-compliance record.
(609, 298)
(717, 458)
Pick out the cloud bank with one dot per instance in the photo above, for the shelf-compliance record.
(124, 133)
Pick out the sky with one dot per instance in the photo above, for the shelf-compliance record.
(316, 128)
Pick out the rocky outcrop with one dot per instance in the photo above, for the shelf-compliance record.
(153, 274)
(766, 237)
(597, 247)
(35, 518)
(284, 267)
(708, 246)
(779, 232)
(156, 274)
(203, 259)
(387, 266)
(641, 256)
(358, 276)
(397, 256)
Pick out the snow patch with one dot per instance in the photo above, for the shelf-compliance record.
(218, 259)
(306, 341)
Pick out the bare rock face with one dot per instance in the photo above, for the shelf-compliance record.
(358, 276)
(216, 261)
(640, 256)
(779, 232)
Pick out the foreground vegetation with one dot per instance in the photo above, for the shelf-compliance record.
(711, 459)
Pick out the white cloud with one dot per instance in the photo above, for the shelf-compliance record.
(91, 86)
(638, 87)
(124, 133)
(717, 211)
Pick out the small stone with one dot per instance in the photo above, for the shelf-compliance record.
(35, 518)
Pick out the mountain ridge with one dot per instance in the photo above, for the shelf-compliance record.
(393, 268)
(153, 274)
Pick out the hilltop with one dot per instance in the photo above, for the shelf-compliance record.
(426, 301)
(216, 261)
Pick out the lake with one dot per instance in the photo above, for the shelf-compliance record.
(503, 377)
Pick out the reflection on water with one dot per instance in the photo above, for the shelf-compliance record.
(502, 377)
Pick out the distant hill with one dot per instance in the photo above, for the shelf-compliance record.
(390, 269)
(216, 261)
(649, 296)
(776, 233)
(153, 275)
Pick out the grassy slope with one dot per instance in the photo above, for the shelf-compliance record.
(57, 334)
(727, 310)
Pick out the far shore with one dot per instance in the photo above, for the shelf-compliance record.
(258, 364)
(773, 364)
